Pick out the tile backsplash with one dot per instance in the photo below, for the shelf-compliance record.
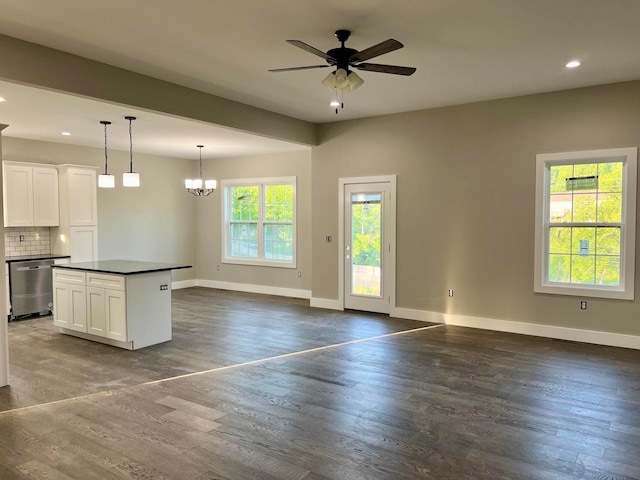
(36, 240)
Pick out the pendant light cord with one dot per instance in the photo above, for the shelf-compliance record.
(130, 144)
(106, 163)
(200, 147)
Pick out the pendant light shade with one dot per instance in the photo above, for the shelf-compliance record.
(194, 186)
(130, 178)
(105, 180)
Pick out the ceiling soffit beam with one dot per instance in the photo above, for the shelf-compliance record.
(38, 66)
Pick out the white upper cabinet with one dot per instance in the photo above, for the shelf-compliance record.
(78, 232)
(83, 207)
(30, 194)
(45, 196)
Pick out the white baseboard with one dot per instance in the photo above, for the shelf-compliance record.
(250, 288)
(326, 303)
(183, 284)
(534, 329)
(549, 331)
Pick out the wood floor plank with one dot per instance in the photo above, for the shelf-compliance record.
(441, 403)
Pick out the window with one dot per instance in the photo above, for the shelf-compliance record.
(585, 223)
(260, 222)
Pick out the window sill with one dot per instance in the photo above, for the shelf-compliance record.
(259, 263)
(615, 293)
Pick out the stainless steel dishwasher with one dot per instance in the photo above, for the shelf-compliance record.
(30, 287)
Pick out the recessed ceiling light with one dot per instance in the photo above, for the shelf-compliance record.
(573, 64)
(66, 134)
(2, 99)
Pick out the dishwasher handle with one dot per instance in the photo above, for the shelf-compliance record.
(35, 267)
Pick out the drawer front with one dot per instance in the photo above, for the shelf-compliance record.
(113, 282)
(68, 276)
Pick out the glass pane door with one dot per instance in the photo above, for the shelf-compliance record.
(366, 244)
(367, 247)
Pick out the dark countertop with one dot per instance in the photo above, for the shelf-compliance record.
(39, 256)
(122, 267)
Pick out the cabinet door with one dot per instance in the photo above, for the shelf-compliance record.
(83, 208)
(97, 310)
(45, 197)
(61, 307)
(116, 315)
(17, 195)
(83, 244)
(78, 307)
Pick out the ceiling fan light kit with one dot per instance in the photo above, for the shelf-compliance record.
(343, 80)
(345, 59)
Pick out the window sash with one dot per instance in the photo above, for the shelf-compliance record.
(542, 284)
(264, 256)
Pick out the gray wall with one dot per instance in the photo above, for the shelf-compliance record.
(155, 222)
(209, 225)
(31, 64)
(160, 221)
(465, 206)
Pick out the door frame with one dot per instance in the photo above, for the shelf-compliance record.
(390, 266)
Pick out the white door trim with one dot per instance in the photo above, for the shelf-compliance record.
(392, 180)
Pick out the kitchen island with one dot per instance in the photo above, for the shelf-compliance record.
(123, 303)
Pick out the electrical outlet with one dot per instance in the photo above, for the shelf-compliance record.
(328, 239)
(299, 274)
(217, 267)
(164, 287)
(583, 305)
(450, 292)
(21, 238)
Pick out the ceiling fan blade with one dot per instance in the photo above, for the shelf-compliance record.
(394, 69)
(297, 68)
(379, 49)
(310, 49)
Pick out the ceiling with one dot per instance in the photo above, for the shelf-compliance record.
(464, 51)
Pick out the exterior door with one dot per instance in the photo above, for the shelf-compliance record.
(368, 250)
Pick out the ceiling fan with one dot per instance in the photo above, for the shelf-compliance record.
(344, 59)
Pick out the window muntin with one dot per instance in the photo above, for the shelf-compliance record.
(585, 228)
(259, 226)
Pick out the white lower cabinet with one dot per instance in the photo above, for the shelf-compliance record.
(70, 301)
(83, 303)
(116, 314)
(107, 313)
(72, 306)
(129, 311)
(97, 311)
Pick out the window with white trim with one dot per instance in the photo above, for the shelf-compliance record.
(585, 223)
(260, 222)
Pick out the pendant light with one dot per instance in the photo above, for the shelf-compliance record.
(195, 186)
(105, 180)
(130, 178)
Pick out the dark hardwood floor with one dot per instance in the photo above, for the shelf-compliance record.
(367, 397)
